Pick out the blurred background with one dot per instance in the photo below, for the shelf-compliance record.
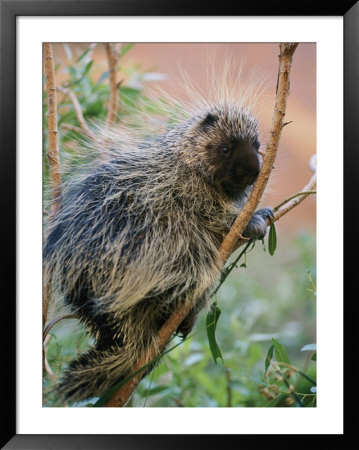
(266, 296)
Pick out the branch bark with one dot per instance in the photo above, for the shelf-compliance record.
(53, 156)
(229, 243)
(112, 57)
(53, 152)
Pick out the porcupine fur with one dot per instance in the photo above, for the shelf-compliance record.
(139, 232)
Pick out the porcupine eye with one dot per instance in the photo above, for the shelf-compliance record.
(225, 149)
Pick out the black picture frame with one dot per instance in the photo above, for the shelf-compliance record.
(9, 10)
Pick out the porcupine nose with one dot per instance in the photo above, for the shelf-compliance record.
(248, 163)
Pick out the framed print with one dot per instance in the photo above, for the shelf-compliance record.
(165, 120)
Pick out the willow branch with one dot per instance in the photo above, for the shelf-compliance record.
(47, 366)
(78, 111)
(289, 203)
(51, 115)
(280, 210)
(121, 397)
(285, 61)
(49, 370)
(53, 152)
(112, 57)
(73, 128)
(55, 321)
(295, 201)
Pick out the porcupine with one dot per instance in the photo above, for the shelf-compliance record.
(139, 233)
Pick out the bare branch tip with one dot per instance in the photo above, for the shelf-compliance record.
(287, 123)
(313, 163)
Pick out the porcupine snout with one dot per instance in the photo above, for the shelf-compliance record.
(247, 163)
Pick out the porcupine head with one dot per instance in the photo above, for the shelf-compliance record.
(139, 231)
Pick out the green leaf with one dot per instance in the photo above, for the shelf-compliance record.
(87, 68)
(211, 322)
(73, 73)
(126, 48)
(80, 75)
(272, 239)
(103, 77)
(314, 356)
(83, 54)
(153, 391)
(280, 352)
(268, 358)
(129, 91)
(94, 109)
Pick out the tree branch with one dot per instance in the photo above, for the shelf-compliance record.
(289, 203)
(78, 111)
(55, 321)
(285, 61)
(53, 151)
(112, 57)
(121, 397)
(292, 202)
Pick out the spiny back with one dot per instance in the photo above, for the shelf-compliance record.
(148, 220)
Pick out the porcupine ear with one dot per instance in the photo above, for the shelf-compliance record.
(208, 121)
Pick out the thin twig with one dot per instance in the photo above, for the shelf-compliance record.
(295, 369)
(294, 201)
(55, 321)
(74, 128)
(78, 111)
(112, 57)
(298, 194)
(227, 270)
(289, 203)
(48, 369)
(54, 159)
(53, 151)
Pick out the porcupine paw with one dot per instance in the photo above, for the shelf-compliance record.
(187, 324)
(189, 321)
(257, 226)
